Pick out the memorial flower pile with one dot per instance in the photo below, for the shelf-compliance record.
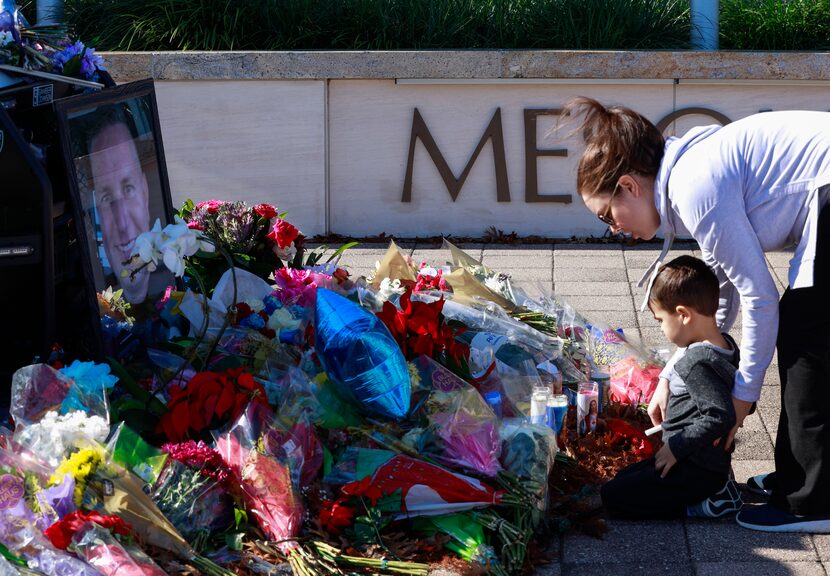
(303, 417)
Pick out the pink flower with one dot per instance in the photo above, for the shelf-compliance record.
(283, 234)
(300, 286)
(265, 211)
(212, 206)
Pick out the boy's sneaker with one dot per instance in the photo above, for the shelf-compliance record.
(761, 484)
(726, 501)
(767, 518)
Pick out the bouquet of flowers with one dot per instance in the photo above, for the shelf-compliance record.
(44, 48)
(263, 469)
(257, 238)
(105, 553)
(107, 488)
(208, 400)
(462, 430)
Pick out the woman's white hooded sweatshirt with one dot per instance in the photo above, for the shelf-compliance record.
(753, 186)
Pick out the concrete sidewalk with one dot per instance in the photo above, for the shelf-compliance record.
(600, 280)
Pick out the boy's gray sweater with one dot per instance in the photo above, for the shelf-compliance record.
(700, 408)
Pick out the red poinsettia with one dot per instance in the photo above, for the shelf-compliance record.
(265, 211)
(208, 399)
(60, 533)
(283, 234)
(419, 328)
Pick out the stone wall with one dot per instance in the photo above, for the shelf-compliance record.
(335, 139)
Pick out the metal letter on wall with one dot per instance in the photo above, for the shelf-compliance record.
(532, 153)
(666, 122)
(493, 131)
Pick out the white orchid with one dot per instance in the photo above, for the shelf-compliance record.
(171, 244)
(145, 247)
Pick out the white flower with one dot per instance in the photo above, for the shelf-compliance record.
(285, 254)
(145, 246)
(54, 435)
(389, 287)
(171, 245)
(282, 319)
(6, 38)
(255, 305)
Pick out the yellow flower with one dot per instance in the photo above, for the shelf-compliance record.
(80, 466)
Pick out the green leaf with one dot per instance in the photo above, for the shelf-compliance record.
(240, 517)
(342, 249)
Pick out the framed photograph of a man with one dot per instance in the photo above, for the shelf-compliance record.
(118, 184)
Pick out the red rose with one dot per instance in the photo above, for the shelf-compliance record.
(60, 533)
(265, 211)
(283, 234)
(212, 206)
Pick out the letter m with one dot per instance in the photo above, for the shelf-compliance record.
(453, 184)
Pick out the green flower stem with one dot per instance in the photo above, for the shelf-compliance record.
(231, 313)
(395, 566)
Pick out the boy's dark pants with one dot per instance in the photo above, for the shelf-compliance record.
(802, 447)
(638, 493)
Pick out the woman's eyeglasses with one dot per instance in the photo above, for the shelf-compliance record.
(605, 217)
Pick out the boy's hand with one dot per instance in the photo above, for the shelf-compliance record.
(664, 460)
(659, 401)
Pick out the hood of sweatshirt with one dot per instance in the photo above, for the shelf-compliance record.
(675, 147)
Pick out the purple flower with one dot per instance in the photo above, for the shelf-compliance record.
(8, 23)
(78, 60)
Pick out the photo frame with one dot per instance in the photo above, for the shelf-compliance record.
(118, 187)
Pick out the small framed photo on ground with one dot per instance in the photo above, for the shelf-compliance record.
(118, 186)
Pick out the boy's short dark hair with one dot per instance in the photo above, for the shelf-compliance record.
(686, 281)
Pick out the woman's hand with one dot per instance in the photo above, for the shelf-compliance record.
(659, 401)
(742, 408)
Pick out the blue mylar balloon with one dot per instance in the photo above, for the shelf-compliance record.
(360, 356)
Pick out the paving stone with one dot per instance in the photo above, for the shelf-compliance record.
(530, 275)
(517, 261)
(647, 320)
(753, 442)
(587, 248)
(759, 568)
(769, 408)
(646, 567)
(822, 544)
(581, 262)
(780, 259)
(724, 540)
(627, 542)
(554, 569)
(590, 275)
(654, 338)
(524, 249)
(568, 288)
(600, 303)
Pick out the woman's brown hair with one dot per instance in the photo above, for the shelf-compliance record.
(618, 141)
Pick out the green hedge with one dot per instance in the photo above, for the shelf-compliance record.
(439, 24)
